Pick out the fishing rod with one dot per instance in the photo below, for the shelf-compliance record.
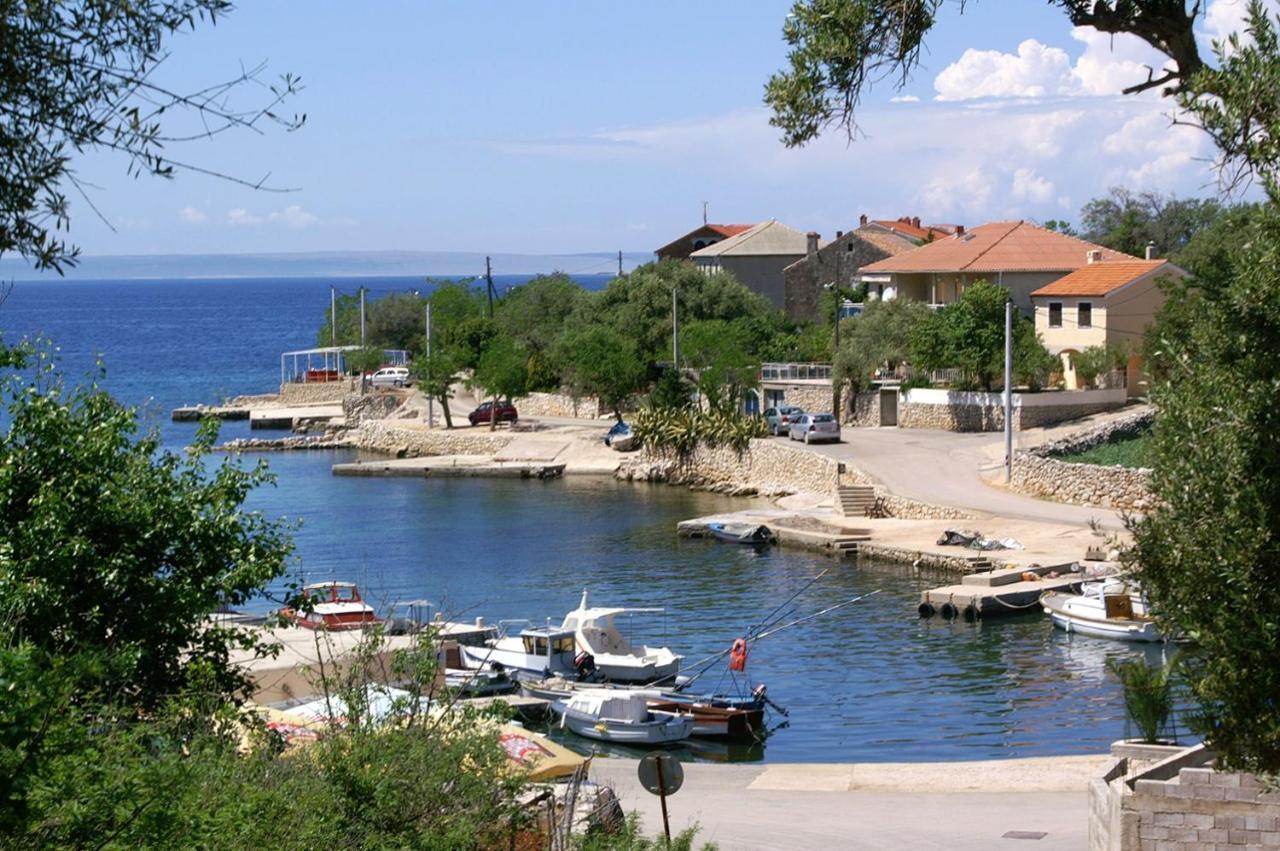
(769, 617)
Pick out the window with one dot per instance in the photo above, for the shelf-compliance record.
(1084, 314)
(1055, 314)
(563, 644)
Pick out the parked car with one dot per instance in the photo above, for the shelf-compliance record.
(391, 376)
(506, 413)
(779, 419)
(814, 427)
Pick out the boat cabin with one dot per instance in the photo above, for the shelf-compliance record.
(332, 592)
(544, 642)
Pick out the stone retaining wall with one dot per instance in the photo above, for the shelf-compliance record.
(379, 405)
(862, 409)
(317, 391)
(815, 398)
(402, 442)
(1119, 488)
(558, 405)
(951, 410)
(768, 468)
(1121, 428)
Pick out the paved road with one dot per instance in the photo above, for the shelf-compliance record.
(947, 468)
(739, 807)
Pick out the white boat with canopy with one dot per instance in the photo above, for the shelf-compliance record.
(613, 656)
(625, 717)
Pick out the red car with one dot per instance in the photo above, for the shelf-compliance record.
(506, 413)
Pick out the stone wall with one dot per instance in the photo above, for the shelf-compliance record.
(862, 409)
(558, 405)
(768, 468)
(1178, 804)
(378, 405)
(953, 410)
(410, 442)
(1119, 488)
(1121, 428)
(815, 398)
(317, 391)
(839, 259)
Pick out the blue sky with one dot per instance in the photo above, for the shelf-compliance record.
(577, 126)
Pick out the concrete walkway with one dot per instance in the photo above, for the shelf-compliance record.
(956, 469)
(946, 805)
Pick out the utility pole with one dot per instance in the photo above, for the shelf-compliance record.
(1008, 391)
(362, 317)
(704, 213)
(431, 402)
(619, 264)
(675, 333)
(333, 314)
(488, 276)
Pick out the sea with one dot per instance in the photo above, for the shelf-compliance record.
(871, 682)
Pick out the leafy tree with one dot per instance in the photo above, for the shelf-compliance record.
(78, 76)
(347, 309)
(1127, 221)
(1219, 244)
(1209, 554)
(1033, 364)
(536, 314)
(603, 363)
(502, 371)
(720, 353)
(1099, 360)
(436, 376)
(671, 392)
(881, 335)
(364, 361)
(839, 48)
(1061, 226)
(397, 321)
(969, 335)
(112, 546)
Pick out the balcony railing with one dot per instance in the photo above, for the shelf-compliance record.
(795, 372)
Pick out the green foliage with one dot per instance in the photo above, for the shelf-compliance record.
(1148, 694)
(1130, 452)
(1218, 245)
(111, 545)
(1099, 360)
(882, 335)
(969, 335)
(537, 314)
(603, 363)
(633, 839)
(1209, 554)
(839, 48)
(1127, 221)
(78, 77)
(671, 392)
(436, 376)
(1061, 226)
(720, 354)
(678, 432)
(503, 369)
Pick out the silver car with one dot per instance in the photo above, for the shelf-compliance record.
(814, 427)
(779, 419)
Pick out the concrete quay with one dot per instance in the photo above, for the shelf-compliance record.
(958, 805)
(451, 466)
(294, 417)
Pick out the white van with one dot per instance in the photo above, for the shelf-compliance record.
(390, 376)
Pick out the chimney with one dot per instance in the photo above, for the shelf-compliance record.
(862, 220)
(839, 234)
(959, 230)
(916, 221)
(1151, 250)
(812, 249)
(1093, 255)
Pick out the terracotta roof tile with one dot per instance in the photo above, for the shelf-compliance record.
(998, 247)
(890, 243)
(1100, 279)
(730, 230)
(909, 230)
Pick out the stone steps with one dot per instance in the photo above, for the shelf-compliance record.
(855, 500)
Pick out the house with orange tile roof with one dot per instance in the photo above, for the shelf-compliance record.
(756, 257)
(708, 234)
(907, 227)
(1018, 255)
(1104, 303)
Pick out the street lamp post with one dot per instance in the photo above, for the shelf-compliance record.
(835, 385)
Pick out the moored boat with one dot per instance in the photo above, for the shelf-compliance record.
(1105, 609)
(334, 606)
(609, 654)
(741, 533)
(612, 715)
(531, 652)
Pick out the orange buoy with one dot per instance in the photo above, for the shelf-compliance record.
(738, 655)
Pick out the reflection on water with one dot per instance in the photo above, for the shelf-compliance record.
(872, 682)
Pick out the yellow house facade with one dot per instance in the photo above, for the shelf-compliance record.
(1105, 303)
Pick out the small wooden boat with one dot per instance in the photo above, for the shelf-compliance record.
(1108, 609)
(741, 533)
(611, 715)
(334, 606)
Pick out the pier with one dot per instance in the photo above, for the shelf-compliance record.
(1010, 591)
(451, 466)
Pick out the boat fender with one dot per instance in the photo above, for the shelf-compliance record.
(948, 610)
(926, 610)
(738, 655)
(971, 613)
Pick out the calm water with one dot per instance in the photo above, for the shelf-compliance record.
(869, 683)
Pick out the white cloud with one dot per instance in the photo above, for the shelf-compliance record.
(292, 216)
(1037, 70)
(904, 99)
(1030, 186)
(1224, 17)
(950, 193)
(1163, 151)
(192, 215)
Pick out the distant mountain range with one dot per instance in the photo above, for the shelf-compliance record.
(327, 264)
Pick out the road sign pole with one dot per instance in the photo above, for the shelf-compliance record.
(662, 796)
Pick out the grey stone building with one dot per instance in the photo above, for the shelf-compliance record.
(838, 260)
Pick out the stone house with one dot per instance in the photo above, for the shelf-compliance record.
(1104, 303)
(756, 257)
(907, 227)
(837, 261)
(1018, 255)
(708, 234)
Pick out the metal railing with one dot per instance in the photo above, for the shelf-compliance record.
(795, 372)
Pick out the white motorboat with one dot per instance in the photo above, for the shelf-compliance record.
(532, 652)
(611, 655)
(610, 715)
(1105, 609)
